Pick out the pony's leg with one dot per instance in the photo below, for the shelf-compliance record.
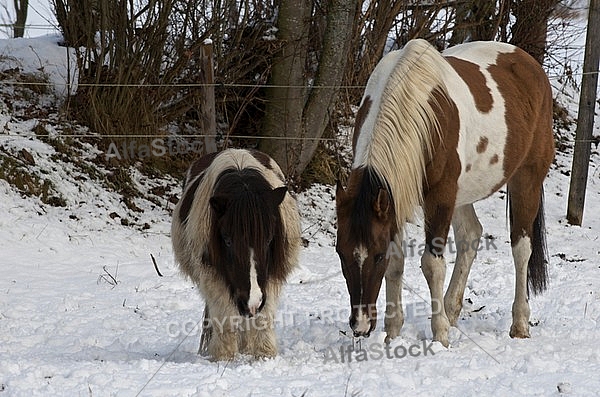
(521, 251)
(258, 338)
(394, 315)
(524, 198)
(224, 342)
(434, 269)
(467, 234)
(206, 335)
(225, 325)
(438, 209)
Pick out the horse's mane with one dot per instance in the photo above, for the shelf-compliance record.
(400, 139)
(197, 227)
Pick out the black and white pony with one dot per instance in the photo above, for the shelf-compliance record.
(236, 234)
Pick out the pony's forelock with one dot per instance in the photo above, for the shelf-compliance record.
(359, 209)
(251, 222)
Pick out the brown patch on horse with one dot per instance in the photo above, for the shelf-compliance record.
(266, 162)
(261, 158)
(445, 157)
(188, 199)
(468, 168)
(193, 174)
(518, 76)
(482, 145)
(361, 115)
(198, 167)
(442, 171)
(475, 80)
(494, 159)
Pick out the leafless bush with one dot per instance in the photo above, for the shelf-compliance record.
(139, 57)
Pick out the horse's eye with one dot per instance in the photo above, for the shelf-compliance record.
(227, 241)
(379, 258)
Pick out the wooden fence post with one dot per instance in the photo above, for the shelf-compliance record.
(585, 117)
(208, 113)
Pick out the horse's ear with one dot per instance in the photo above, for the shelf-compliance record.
(339, 191)
(381, 205)
(219, 204)
(276, 196)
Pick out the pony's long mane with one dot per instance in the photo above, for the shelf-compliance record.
(397, 141)
(194, 232)
(255, 222)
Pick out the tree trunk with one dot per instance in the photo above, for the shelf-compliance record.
(369, 40)
(285, 97)
(336, 44)
(296, 115)
(21, 7)
(475, 20)
(530, 28)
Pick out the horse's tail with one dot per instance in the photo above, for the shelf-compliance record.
(537, 270)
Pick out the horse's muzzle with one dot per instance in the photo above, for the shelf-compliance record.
(362, 325)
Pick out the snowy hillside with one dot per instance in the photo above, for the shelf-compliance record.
(84, 312)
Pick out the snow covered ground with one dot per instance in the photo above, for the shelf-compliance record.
(83, 311)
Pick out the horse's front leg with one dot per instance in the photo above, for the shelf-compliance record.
(437, 223)
(206, 335)
(223, 344)
(434, 269)
(258, 339)
(394, 315)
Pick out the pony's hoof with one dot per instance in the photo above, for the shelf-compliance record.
(265, 348)
(442, 337)
(392, 331)
(519, 332)
(264, 355)
(443, 341)
(389, 338)
(264, 352)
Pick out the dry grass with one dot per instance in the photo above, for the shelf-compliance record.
(16, 172)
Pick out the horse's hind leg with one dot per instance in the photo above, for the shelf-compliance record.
(525, 190)
(394, 315)
(467, 234)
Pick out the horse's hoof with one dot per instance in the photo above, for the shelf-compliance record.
(388, 339)
(519, 332)
(442, 337)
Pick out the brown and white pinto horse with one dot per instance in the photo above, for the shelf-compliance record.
(440, 132)
(236, 234)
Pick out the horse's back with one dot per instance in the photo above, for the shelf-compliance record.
(504, 104)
